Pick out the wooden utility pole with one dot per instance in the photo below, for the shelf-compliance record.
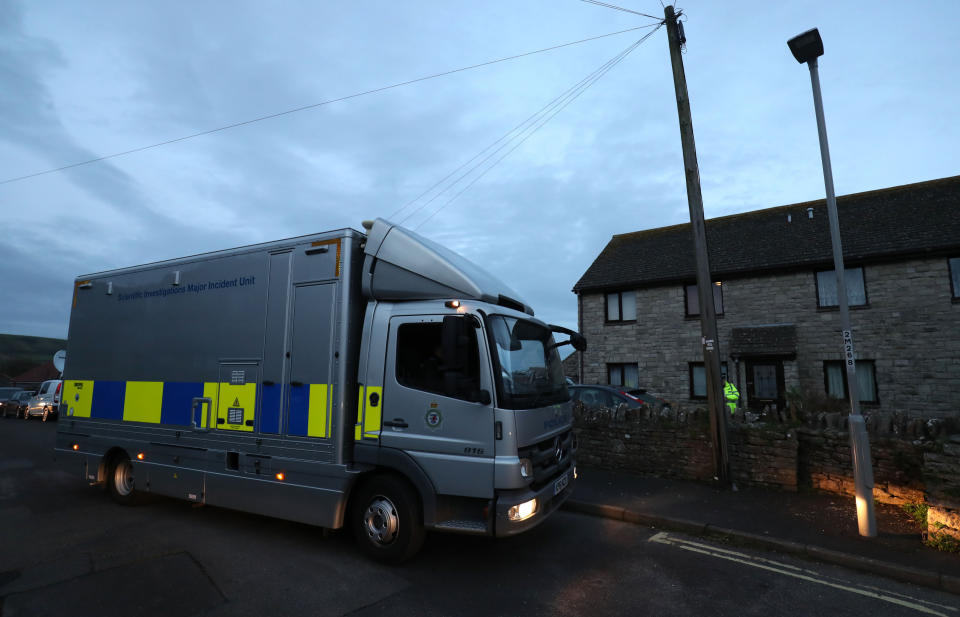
(708, 314)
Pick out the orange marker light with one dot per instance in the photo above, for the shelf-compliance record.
(140, 456)
(280, 476)
(76, 446)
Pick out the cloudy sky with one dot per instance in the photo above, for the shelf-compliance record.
(85, 80)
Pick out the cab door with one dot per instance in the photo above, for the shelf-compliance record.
(431, 408)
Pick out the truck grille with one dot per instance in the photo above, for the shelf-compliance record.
(547, 463)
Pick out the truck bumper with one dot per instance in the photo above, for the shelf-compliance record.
(548, 498)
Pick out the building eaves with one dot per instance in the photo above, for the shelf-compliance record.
(914, 219)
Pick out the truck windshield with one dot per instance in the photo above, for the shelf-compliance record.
(529, 370)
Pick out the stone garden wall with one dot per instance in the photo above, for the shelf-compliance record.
(678, 445)
(915, 461)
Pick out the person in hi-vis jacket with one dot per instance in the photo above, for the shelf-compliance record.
(732, 395)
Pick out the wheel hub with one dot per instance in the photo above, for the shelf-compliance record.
(123, 478)
(381, 521)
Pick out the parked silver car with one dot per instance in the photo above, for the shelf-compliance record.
(7, 393)
(46, 402)
(16, 403)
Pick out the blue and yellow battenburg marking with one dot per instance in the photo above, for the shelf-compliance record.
(232, 406)
(369, 413)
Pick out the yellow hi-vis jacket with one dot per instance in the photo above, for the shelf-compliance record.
(732, 395)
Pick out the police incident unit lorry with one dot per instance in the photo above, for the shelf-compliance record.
(371, 380)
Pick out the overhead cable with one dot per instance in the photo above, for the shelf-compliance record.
(519, 129)
(315, 105)
(620, 8)
(507, 138)
(577, 91)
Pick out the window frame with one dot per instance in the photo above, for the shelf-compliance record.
(953, 269)
(622, 366)
(832, 307)
(843, 372)
(606, 307)
(417, 381)
(690, 367)
(716, 285)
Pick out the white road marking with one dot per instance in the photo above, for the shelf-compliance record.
(812, 576)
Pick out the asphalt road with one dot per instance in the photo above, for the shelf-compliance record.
(66, 549)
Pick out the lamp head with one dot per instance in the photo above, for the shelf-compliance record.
(807, 46)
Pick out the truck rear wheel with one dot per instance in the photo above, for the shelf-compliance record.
(120, 481)
(387, 519)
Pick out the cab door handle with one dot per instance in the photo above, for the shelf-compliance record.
(397, 422)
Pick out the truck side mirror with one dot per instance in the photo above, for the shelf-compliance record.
(578, 341)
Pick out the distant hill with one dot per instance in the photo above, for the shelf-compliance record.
(20, 353)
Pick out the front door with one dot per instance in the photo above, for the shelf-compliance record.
(765, 384)
(431, 419)
(311, 355)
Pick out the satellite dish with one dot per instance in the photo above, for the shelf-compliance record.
(59, 359)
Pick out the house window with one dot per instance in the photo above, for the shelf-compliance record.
(835, 380)
(622, 306)
(698, 378)
(625, 375)
(955, 276)
(693, 300)
(827, 288)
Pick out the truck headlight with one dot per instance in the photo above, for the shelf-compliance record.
(526, 468)
(523, 511)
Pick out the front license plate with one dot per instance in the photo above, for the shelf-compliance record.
(561, 483)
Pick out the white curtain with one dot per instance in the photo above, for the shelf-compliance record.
(856, 291)
(867, 383)
(613, 307)
(699, 381)
(835, 380)
(827, 287)
(629, 305)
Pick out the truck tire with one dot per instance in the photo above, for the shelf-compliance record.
(387, 519)
(120, 481)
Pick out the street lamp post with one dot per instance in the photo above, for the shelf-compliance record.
(806, 48)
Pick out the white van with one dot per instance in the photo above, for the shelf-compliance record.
(46, 401)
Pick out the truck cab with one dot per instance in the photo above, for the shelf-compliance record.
(463, 392)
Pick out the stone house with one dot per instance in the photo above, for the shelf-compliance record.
(776, 300)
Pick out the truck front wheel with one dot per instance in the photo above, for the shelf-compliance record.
(387, 519)
(120, 481)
